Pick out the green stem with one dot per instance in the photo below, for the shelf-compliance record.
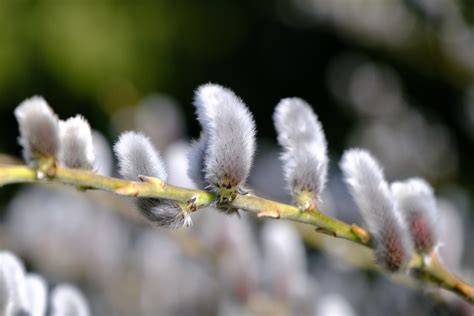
(323, 223)
(16, 174)
(432, 271)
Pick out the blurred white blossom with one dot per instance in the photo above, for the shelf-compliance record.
(26, 294)
(68, 300)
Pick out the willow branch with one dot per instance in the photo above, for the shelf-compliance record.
(428, 269)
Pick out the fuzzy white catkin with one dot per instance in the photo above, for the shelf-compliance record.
(372, 195)
(37, 294)
(305, 160)
(77, 149)
(67, 300)
(137, 156)
(13, 295)
(230, 129)
(39, 129)
(335, 305)
(416, 200)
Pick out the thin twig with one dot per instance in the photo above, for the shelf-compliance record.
(428, 269)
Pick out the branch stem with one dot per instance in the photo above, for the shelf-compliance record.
(429, 270)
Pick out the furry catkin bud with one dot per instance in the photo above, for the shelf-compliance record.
(68, 300)
(305, 160)
(416, 200)
(137, 156)
(378, 208)
(230, 131)
(77, 150)
(39, 129)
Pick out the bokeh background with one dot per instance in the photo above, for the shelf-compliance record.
(394, 76)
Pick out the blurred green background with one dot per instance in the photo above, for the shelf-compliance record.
(94, 57)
